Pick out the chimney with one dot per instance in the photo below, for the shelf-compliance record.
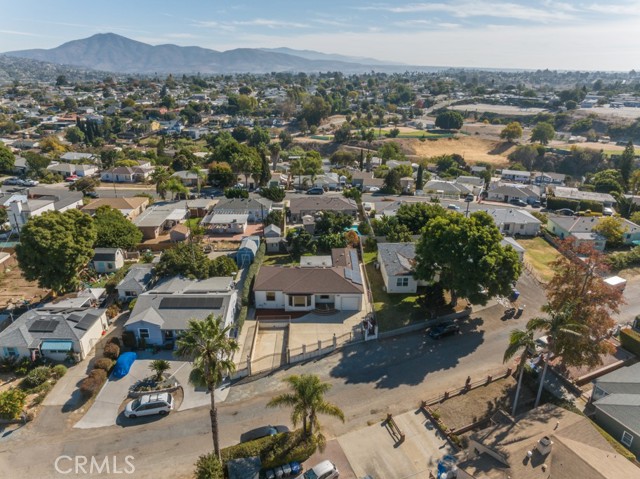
(544, 445)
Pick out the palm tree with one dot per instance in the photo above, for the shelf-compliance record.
(519, 340)
(274, 153)
(208, 343)
(200, 175)
(559, 330)
(160, 177)
(307, 401)
(159, 366)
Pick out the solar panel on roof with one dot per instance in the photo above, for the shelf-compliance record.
(43, 326)
(86, 322)
(191, 303)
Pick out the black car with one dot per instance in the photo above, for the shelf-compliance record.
(315, 191)
(91, 194)
(261, 432)
(518, 202)
(444, 329)
(565, 212)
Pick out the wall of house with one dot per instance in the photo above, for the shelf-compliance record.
(123, 297)
(615, 429)
(528, 229)
(261, 300)
(343, 302)
(149, 232)
(21, 351)
(230, 313)
(92, 336)
(155, 332)
(599, 245)
(390, 282)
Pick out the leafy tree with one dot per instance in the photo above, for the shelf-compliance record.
(626, 164)
(222, 266)
(114, 230)
(208, 345)
(285, 139)
(301, 242)
(108, 158)
(86, 184)
(241, 133)
(51, 144)
(327, 242)
(159, 367)
(343, 158)
(511, 132)
(543, 133)
(342, 134)
(259, 136)
(314, 110)
(613, 230)
(466, 255)
(391, 151)
(525, 155)
(392, 183)
(306, 400)
(398, 233)
(236, 193)
(245, 164)
(420, 178)
(416, 215)
(273, 193)
(523, 341)
(54, 247)
(175, 186)
(221, 175)
(74, 135)
(274, 217)
(208, 466)
(353, 193)
(184, 259)
(608, 181)
(274, 152)
(7, 159)
(12, 403)
(635, 218)
(332, 222)
(576, 287)
(449, 120)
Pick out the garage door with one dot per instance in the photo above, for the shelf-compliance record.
(350, 304)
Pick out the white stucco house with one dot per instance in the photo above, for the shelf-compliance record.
(396, 262)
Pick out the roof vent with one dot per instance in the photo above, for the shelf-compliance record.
(544, 445)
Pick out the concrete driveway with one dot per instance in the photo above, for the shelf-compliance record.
(105, 409)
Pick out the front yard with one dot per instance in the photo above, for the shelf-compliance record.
(540, 255)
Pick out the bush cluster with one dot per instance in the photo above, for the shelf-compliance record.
(12, 403)
(208, 467)
(92, 383)
(624, 259)
(37, 376)
(630, 341)
(111, 351)
(105, 364)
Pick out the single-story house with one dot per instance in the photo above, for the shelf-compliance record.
(581, 229)
(247, 251)
(220, 223)
(616, 401)
(575, 194)
(546, 442)
(20, 165)
(311, 205)
(474, 183)
(516, 175)
(447, 187)
(512, 221)
(77, 156)
(549, 178)
(506, 193)
(256, 209)
(160, 218)
(190, 178)
(126, 174)
(129, 207)
(107, 260)
(20, 209)
(138, 280)
(179, 233)
(62, 198)
(396, 262)
(54, 331)
(509, 241)
(339, 287)
(160, 314)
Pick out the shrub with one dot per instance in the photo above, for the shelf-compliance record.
(58, 371)
(208, 467)
(129, 339)
(159, 366)
(132, 304)
(113, 311)
(92, 383)
(8, 364)
(630, 341)
(11, 403)
(104, 363)
(115, 340)
(22, 366)
(37, 376)
(111, 351)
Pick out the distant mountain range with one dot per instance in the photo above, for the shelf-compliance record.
(115, 53)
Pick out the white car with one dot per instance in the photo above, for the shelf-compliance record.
(323, 470)
(149, 404)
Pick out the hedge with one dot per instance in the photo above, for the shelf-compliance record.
(554, 203)
(246, 288)
(630, 340)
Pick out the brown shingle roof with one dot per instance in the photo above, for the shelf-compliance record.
(116, 203)
(305, 281)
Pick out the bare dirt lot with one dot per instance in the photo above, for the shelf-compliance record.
(14, 288)
(472, 148)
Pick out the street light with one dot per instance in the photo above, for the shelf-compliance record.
(468, 199)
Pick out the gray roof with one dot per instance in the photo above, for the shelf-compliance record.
(623, 381)
(105, 254)
(75, 156)
(580, 224)
(574, 193)
(214, 218)
(157, 214)
(321, 203)
(250, 242)
(517, 191)
(397, 258)
(178, 284)
(139, 275)
(623, 408)
(67, 324)
(242, 205)
(272, 230)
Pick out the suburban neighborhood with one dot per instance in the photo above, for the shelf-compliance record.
(364, 275)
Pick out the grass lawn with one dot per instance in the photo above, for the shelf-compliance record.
(392, 310)
(192, 222)
(279, 260)
(540, 255)
(274, 450)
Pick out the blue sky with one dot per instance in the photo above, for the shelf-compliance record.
(591, 34)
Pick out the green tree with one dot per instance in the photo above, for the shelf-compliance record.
(525, 155)
(420, 178)
(12, 402)
(301, 243)
(307, 400)
(466, 255)
(86, 184)
(543, 133)
(222, 266)
(7, 159)
(221, 175)
(342, 134)
(327, 242)
(246, 165)
(159, 367)
(449, 120)
(626, 164)
(114, 230)
(391, 151)
(523, 341)
(160, 177)
(333, 222)
(416, 215)
(200, 175)
(342, 158)
(208, 466)
(274, 217)
(635, 217)
(184, 259)
(273, 193)
(74, 135)
(208, 345)
(175, 186)
(392, 183)
(259, 136)
(511, 132)
(314, 110)
(274, 153)
(608, 181)
(241, 133)
(613, 230)
(54, 247)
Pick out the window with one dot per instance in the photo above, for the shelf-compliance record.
(10, 352)
(131, 294)
(402, 282)
(521, 227)
(627, 439)
(298, 301)
(109, 265)
(143, 333)
(324, 296)
(271, 296)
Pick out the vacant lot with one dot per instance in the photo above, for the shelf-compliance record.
(499, 109)
(472, 148)
(15, 289)
(540, 254)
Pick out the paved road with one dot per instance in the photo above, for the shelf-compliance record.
(368, 380)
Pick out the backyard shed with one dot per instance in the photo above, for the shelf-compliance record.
(247, 251)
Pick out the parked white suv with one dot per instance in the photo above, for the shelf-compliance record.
(323, 470)
(150, 404)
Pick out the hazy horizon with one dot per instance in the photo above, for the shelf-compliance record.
(514, 34)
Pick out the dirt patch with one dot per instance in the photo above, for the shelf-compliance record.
(472, 148)
(14, 289)
(481, 403)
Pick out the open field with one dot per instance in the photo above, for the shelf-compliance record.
(500, 109)
(540, 255)
(472, 148)
(14, 288)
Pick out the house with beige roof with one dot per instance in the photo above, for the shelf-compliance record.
(129, 207)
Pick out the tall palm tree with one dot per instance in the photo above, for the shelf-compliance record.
(307, 401)
(274, 153)
(519, 340)
(160, 177)
(208, 343)
(560, 330)
(200, 176)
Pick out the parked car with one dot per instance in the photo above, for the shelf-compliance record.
(541, 345)
(261, 432)
(11, 181)
(92, 194)
(374, 189)
(71, 178)
(606, 211)
(149, 405)
(565, 212)
(453, 207)
(517, 202)
(444, 329)
(31, 182)
(324, 470)
(315, 191)
(536, 204)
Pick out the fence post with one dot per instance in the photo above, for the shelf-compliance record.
(335, 341)
(249, 364)
(288, 356)
(319, 345)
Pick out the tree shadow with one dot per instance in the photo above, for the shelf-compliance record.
(501, 148)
